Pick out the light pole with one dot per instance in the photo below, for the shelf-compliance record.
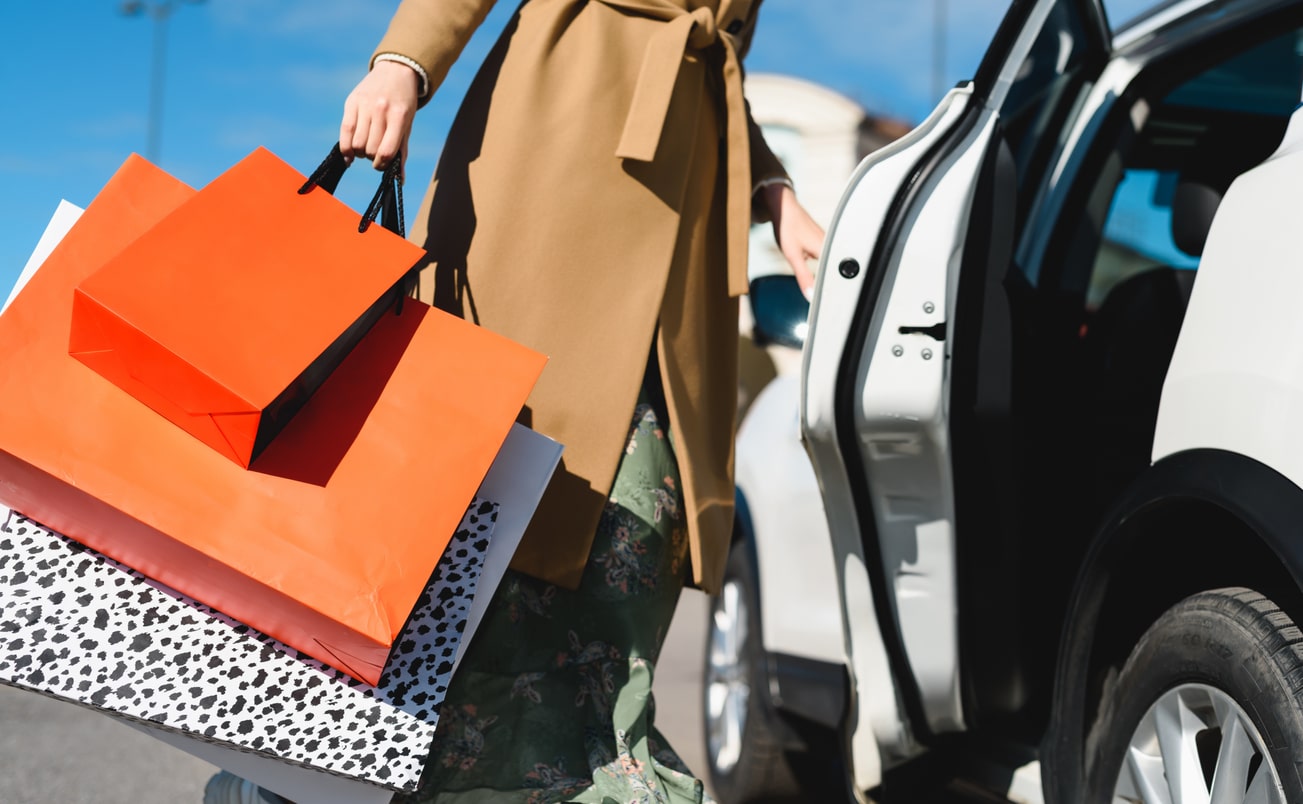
(159, 11)
(938, 49)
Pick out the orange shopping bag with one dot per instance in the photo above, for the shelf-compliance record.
(227, 314)
(328, 539)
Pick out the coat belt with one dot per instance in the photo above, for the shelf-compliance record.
(662, 60)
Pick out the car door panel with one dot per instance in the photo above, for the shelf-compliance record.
(901, 419)
(879, 723)
(876, 373)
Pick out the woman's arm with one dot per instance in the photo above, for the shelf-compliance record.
(798, 236)
(424, 38)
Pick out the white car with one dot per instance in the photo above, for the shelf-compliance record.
(1036, 499)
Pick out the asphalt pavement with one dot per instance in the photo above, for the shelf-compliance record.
(56, 753)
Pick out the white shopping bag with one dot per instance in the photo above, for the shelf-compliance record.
(516, 480)
(64, 217)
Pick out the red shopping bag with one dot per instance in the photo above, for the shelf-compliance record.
(328, 539)
(227, 314)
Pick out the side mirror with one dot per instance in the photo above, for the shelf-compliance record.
(780, 310)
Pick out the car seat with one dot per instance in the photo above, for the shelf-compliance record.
(1130, 342)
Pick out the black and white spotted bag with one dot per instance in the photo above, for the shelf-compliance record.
(82, 628)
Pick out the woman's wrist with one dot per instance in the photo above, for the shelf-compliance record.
(774, 193)
(383, 60)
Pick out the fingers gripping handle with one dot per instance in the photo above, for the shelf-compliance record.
(386, 204)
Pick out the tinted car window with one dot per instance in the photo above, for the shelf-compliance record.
(1040, 97)
(1122, 12)
(1138, 232)
(1264, 80)
(1223, 121)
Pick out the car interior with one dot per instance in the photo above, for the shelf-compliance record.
(1144, 286)
(1156, 193)
(1129, 280)
(1089, 331)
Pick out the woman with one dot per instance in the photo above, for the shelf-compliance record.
(592, 202)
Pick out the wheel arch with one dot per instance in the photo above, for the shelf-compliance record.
(1195, 520)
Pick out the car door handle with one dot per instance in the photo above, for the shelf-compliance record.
(936, 332)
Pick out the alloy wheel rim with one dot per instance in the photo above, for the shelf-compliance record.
(727, 687)
(1196, 745)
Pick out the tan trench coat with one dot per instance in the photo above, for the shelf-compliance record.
(594, 192)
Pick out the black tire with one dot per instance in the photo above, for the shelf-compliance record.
(1234, 641)
(761, 772)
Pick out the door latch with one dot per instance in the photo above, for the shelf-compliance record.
(936, 332)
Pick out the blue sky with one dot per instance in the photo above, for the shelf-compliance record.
(246, 73)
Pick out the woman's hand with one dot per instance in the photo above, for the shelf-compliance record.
(378, 113)
(798, 236)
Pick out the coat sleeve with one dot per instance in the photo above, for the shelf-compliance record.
(765, 166)
(432, 33)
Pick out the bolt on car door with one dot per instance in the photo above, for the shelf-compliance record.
(909, 311)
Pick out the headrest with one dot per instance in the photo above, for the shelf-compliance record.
(1193, 206)
(1220, 155)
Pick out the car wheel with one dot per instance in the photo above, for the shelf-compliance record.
(745, 757)
(1206, 709)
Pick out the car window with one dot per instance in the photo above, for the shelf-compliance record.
(1208, 129)
(1040, 98)
(1122, 12)
(1137, 232)
(1264, 80)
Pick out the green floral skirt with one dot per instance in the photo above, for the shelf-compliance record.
(553, 701)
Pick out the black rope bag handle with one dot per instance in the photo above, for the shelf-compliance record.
(386, 205)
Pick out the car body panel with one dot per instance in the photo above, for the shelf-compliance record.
(794, 553)
(1241, 345)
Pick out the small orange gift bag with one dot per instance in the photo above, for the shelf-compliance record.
(227, 314)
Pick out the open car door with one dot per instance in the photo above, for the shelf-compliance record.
(880, 361)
